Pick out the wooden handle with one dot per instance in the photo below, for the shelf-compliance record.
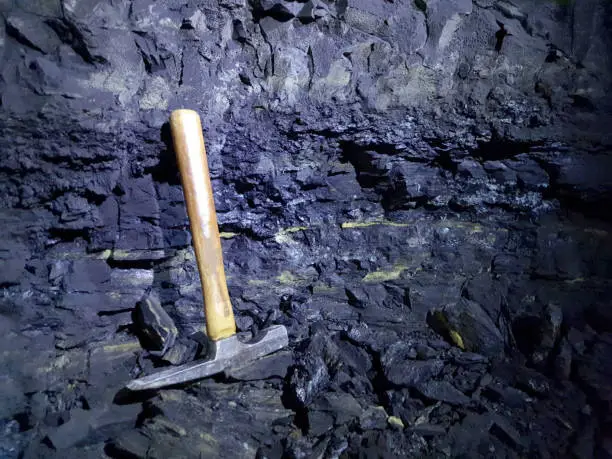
(191, 153)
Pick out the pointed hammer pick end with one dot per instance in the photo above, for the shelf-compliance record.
(225, 353)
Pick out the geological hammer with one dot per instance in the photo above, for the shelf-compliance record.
(226, 350)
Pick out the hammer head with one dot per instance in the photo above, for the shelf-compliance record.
(223, 354)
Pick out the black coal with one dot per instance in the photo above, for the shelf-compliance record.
(421, 199)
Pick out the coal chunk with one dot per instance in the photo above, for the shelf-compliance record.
(500, 172)
(585, 176)
(428, 430)
(362, 295)
(298, 447)
(443, 391)
(313, 371)
(373, 418)
(11, 270)
(584, 444)
(594, 369)
(90, 426)
(182, 351)
(319, 422)
(312, 10)
(413, 184)
(133, 444)
(274, 365)
(111, 366)
(562, 364)
(530, 176)
(487, 292)
(87, 276)
(599, 316)
(400, 370)
(29, 31)
(154, 326)
(375, 338)
(307, 380)
(469, 327)
(557, 256)
(403, 405)
(469, 168)
(240, 34)
(281, 11)
(532, 382)
(537, 334)
(341, 406)
(465, 437)
(75, 212)
(550, 330)
(510, 396)
(505, 431)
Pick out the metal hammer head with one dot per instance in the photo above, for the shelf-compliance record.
(223, 354)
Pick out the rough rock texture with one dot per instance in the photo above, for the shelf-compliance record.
(156, 328)
(373, 162)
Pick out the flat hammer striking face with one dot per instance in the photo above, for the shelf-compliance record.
(226, 350)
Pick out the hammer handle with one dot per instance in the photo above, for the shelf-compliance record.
(189, 147)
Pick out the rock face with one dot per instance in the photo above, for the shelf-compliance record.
(418, 190)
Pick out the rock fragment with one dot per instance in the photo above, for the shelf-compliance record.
(373, 418)
(154, 326)
(415, 184)
(550, 331)
(562, 364)
(375, 338)
(584, 445)
(443, 391)
(343, 407)
(28, 30)
(409, 373)
(274, 365)
(111, 365)
(428, 430)
(91, 426)
(537, 335)
(395, 422)
(510, 396)
(404, 405)
(11, 268)
(363, 295)
(132, 443)
(599, 316)
(312, 11)
(469, 327)
(182, 351)
(319, 422)
(594, 369)
(86, 276)
(532, 382)
(313, 371)
(504, 429)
